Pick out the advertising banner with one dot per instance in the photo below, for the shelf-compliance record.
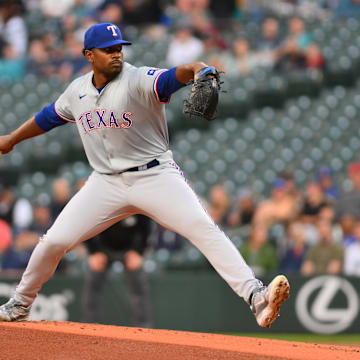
(202, 301)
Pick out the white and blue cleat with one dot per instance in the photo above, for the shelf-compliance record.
(13, 310)
(267, 300)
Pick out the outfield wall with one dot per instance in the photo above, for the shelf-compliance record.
(202, 301)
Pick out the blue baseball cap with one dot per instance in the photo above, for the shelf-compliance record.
(324, 171)
(278, 184)
(103, 35)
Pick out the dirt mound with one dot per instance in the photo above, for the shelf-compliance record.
(68, 341)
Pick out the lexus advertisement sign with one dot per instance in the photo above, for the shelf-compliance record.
(327, 304)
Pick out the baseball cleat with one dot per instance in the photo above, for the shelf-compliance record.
(266, 300)
(13, 310)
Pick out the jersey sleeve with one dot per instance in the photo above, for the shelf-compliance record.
(155, 85)
(62, 105)
(166, 84)
(57, 113)
(48, 119)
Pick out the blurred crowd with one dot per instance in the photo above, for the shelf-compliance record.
(315, 230)
(24, 222)
(310, 231)
(45, 37)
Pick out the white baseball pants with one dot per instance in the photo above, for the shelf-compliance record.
(161, 193)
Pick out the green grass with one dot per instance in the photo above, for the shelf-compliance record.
(313, 338)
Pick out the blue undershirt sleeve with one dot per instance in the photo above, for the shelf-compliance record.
(167, 84)
(48, 119)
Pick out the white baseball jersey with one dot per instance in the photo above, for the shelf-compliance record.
(122, 126)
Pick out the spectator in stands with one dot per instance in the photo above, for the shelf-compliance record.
(18, 256)
(68, 24)
(218, 206)
(13, 40)
(11, 67)
(17, 212)
(269, 42)
(314, 202)
(205, 27)
(326, 257)
(347, 224)
(61, 195)
(39, 62)
(83, 8)
(73, 59)
(13, 32)
(259, 253)
(327, 213)
(253, 11)
(325, 180)
(197, 14)
(178, 12)
(314, 59)
(290, 185)
(244, 209)
(5, 237)
(352, 254)
(289, 57)
(125, 241)
(270, 39)
(184, 47)
(282, 207)
(348, 203)
(243, 60)
(7, 203)
(42, 219)
(51, 44)
(292, 54)
(56, 8)
(297, 31)
(296, 248)
(193, 6)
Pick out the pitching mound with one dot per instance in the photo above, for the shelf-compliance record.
(68, 341)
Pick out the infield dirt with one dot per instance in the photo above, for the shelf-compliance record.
(70, 341)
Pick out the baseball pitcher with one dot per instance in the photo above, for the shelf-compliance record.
(120, 115)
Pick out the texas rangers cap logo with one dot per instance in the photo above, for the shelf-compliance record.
(113, 29)
(103, 35)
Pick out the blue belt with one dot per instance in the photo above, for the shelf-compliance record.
(137, 168)
(144, 167)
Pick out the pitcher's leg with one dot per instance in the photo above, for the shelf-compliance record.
(169, 200)
(89, 212)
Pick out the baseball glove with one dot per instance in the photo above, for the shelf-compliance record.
(204, 95)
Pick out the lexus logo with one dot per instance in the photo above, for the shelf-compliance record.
(316, 315)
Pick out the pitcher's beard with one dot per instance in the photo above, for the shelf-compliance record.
(116, 70)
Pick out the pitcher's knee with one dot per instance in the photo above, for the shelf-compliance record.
(55, 244)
